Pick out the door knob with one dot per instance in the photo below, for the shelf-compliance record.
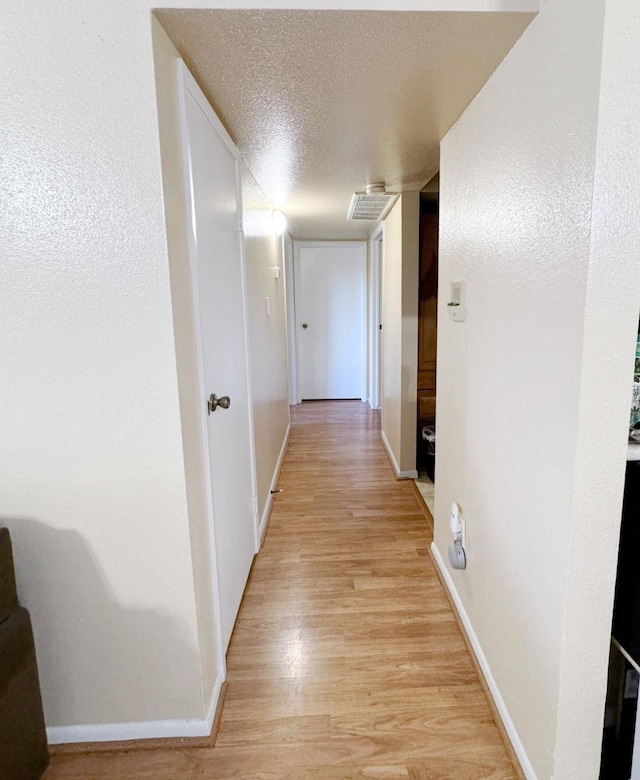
(304, 325)
(214, 402)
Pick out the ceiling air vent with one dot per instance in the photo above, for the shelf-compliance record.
(374, 204)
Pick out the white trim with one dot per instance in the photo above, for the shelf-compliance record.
(394, 463)
(470, 6)
(363, 340)
(377, 233)
(247, 347)
(266, 514)
(375, 317)
(296, 320)
(290, 300)
(196, 92)
(152, 729)
(507, 721)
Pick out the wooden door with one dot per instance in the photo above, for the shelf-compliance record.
(427, 318)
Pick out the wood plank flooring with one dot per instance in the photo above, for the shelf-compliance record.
(346, 660)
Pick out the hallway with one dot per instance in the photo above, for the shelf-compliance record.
(346, 660)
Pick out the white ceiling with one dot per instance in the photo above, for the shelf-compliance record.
(321, 103)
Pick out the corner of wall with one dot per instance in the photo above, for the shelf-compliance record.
(410, 295)
(400, 333)
(516, 203)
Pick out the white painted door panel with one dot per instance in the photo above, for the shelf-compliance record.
(219, 271)
(330, 319)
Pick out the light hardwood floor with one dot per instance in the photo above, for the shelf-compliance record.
(346, 660)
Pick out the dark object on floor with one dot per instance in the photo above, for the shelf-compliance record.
(428, 450)
(23, 740)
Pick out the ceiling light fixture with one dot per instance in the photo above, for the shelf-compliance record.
(278, 222)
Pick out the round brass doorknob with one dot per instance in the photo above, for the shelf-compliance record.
(214, 402)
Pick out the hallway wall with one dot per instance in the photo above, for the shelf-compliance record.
(93, 482)
(399, 310)
(531, 204)
(268, 344)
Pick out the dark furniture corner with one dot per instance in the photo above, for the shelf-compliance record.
(23, 740)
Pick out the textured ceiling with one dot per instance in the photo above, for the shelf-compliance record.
(321, 103)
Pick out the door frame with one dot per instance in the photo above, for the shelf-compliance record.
(289, 286)
(187, 84)
(375, 317)
(297, 245)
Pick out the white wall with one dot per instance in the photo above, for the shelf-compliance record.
(533, 389)
(93, 485)
(268, 341)
(103, 487)
(610, 324)
(400, 332)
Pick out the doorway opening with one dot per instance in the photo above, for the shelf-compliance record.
(427, 344)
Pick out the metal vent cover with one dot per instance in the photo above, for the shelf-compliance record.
(372, 206)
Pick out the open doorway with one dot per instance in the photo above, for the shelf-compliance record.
(621, 737)
(427, 342)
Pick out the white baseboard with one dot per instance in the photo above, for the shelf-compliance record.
(266, 514)
(486, 670)
(153, 729)
(394, 463)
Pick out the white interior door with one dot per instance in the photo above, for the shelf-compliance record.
(218, 260)
(330, 287)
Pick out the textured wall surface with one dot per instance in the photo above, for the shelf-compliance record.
(610, 324)
(527, 444)
(93, 482)
(400, 329)
(391, 317)
(268, 339)
(409, 325)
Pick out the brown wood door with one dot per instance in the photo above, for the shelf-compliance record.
(427, 318)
